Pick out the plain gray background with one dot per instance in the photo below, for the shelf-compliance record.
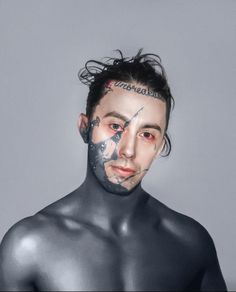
(43, 44)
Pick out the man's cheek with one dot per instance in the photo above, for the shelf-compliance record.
(100, 134)
(109, 148)
(98, 137)
(145, 154)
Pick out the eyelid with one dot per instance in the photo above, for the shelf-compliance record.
(154, 132)
(148, 131)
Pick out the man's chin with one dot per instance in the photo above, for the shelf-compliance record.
(117, 189)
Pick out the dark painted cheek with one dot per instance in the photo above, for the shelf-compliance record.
(97, 160)
(97, 150)
(116, 138)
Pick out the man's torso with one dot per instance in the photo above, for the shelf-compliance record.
(155, 254)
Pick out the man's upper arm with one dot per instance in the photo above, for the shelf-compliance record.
(212, 278)
(17, 252)
(209, 277)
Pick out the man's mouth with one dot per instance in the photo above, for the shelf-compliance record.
(123, 171)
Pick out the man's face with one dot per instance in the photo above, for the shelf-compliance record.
(126, 134)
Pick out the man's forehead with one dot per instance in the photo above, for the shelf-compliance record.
(133, 87)
(127, 103)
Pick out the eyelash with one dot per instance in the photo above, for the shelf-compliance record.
(147, 138)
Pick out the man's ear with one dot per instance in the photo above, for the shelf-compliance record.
(83, 126)
(161, 147)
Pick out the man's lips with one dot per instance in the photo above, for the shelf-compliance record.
(124, 171)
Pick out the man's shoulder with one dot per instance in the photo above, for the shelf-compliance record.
(191, 234)
(35, 228)
(30, 237)
(31, 233)
(24, 234)
(19, 248)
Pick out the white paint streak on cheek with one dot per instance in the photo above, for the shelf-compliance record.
(99, 134)
(110, 148)
(96, 136)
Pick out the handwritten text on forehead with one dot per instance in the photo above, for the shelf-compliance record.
(139, 90)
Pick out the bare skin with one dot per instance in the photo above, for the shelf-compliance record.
(109, 234)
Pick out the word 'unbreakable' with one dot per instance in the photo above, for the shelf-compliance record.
(139, 90)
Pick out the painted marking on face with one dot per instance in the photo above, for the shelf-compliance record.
(139, 90)
(134, 116)
(95, 122)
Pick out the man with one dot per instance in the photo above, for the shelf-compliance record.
(110, 234)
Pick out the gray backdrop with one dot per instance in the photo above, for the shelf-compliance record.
(42, 46)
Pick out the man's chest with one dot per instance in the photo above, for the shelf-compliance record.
(97, 263)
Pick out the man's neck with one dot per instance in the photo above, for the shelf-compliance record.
(108, 210)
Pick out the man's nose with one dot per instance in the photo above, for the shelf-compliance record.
(127, 145)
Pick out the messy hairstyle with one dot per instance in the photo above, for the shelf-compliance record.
(144, 69)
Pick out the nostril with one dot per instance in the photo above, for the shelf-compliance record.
(127, 151)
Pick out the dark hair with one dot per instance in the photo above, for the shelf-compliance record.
(145, 69)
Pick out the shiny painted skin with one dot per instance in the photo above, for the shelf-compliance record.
(67, 247)
(109, 235)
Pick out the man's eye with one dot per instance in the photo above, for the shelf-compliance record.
(116, 127)
(148, 136)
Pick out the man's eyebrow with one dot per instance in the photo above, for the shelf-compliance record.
(153, 126)
(116, 115)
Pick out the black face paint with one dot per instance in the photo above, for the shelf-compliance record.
(97, 159)
(85, 132)
(95, 122)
